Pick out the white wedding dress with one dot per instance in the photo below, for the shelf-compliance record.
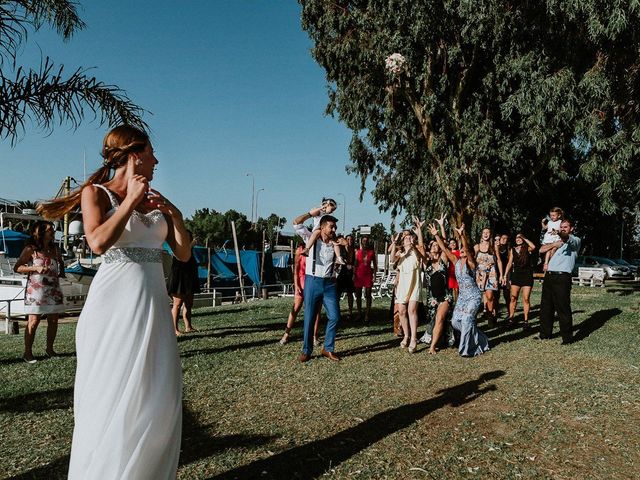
(128, 388)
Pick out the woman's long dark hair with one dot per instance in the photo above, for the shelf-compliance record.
(37, 236)
(522, 260)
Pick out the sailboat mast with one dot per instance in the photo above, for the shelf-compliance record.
(65, 233)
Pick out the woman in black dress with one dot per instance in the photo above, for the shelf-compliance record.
(183, 284)
(519, 265)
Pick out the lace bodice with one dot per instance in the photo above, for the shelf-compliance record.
(142, 230)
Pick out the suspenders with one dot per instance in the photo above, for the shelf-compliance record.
(316, 254)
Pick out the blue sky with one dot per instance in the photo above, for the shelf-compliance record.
(232, 89)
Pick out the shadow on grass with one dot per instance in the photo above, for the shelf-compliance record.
(358, 333)
(505, 334)
(374, 347)
(622, 292)
(593, 323)
(40, 358)
(211, 311)
(223, 332)
(197, 443)
(315, 458)
(54, 470)
(229, 348)
(61, 398)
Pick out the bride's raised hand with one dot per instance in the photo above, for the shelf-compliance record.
(137, 187)
(156, 200)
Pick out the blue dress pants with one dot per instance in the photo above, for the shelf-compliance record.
(320, 291)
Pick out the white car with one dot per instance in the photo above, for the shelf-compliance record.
(611, 268)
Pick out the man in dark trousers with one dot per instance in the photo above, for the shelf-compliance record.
(556, 289)
(320, 283)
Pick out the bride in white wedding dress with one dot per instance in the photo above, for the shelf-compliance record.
(128, 388)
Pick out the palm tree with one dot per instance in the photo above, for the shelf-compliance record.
(45, 96)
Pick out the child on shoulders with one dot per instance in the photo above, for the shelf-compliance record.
(327, 207)
(551, 228)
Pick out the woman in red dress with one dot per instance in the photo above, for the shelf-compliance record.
(364, 269)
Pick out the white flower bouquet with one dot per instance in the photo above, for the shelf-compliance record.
(396, 64)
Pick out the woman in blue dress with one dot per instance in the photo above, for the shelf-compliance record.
(473, 341)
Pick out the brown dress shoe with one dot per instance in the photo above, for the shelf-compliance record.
(304, 357)
(330, 355)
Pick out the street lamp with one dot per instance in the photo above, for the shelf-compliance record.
(257, 195)
(253, 192)
(344, 213)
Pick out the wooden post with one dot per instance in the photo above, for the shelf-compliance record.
(293, 262)
(293, 265)
(208, 267)
(386, 258)
(235, 246)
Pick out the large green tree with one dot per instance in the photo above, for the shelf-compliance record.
(213, 228)
(271, 226)
(47, 96)
(487, 102)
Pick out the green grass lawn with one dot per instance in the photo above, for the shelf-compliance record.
(526, 409)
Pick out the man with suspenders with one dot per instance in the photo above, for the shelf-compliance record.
(320, 284)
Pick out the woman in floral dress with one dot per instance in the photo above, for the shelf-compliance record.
(488, 272)
(439, 298)
(473, 341)
(42, 262)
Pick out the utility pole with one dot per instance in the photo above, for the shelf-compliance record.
(257, 195)
(253, 192)
(344, 213)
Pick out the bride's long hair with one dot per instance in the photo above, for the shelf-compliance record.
(116, 147)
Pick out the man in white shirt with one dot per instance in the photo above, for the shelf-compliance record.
(319, 284)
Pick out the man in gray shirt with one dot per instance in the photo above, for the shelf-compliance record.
(556, 289)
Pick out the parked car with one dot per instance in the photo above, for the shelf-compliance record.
(632, 268)
(611, 268)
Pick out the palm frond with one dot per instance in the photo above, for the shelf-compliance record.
(17, 15)
(47, 99)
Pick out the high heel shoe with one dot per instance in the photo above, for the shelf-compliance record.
(412, 348)
(404, 342)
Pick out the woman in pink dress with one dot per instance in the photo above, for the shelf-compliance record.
(42, 262)
(365, 266)
(299, 265)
